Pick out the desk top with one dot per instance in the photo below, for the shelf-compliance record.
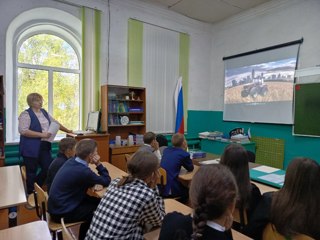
(268, 175)
(11, 187)
(114, 172)
(31, 231)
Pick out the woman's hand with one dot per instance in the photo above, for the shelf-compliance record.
(45, 134)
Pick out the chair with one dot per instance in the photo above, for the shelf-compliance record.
(270, 233)
(127, 158)
(41, 202)
(162, 181)
(240, 217)
(30, 201)
(66, 234)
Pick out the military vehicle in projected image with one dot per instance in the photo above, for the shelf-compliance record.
(254, 89)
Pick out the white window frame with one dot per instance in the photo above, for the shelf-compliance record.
(27, 24)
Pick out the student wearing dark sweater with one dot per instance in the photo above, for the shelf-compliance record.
(172, 160)
(66, 151)
(213, 193)
(67, 196)
(235, 157)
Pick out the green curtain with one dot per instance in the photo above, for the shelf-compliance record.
(135, 45)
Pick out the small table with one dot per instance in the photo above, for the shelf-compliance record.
(11, 189)
(31, 231)
(102, 140)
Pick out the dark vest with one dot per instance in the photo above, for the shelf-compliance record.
(29, 147)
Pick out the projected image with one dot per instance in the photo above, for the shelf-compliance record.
(266, 82)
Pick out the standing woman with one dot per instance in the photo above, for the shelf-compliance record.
(34, 146)
(235, 157)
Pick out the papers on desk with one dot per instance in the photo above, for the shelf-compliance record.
(274, 178)
(207, 162)
(265, 169)
(82, 132)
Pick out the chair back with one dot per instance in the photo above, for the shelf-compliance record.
(41, 201)
(23, 173)
(240, 216)
(163, 177)
(66, 234)
(270, 233)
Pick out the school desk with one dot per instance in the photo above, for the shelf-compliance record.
(31, 231)
(11, 189)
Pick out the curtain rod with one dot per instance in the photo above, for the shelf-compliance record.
(264, 49)
(159, 26)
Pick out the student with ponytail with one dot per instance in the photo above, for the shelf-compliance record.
(130, 202)
(213, 195)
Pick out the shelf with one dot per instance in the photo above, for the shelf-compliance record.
(125, 113)
(125, 100)
(128, 125)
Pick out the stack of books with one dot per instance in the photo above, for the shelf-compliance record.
(198, 154)
(240, 138)
(211, 135)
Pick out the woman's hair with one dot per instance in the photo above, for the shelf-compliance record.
(85, 147)
(141, 166)
(235, 157)
(162, 140)
(32, 97)
(295, 208)
(213, 189)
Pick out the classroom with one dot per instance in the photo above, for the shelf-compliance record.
(117, 64)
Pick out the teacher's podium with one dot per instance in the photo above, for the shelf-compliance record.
(102, 140)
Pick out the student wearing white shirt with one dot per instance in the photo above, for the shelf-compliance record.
(213, 194)
(151, 144)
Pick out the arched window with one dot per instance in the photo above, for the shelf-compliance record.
(43, 54)
(49, 65)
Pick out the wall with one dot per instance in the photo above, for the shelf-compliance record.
(273, 23)
(200, 121)
(200, 42)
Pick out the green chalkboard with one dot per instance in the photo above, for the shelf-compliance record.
(307, 109)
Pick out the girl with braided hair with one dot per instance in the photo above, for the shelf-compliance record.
(131, 202)
(213, 195)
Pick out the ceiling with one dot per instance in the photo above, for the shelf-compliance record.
(210, 11)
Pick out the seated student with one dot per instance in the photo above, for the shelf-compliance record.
(294, 207)
(130, 203)
(235, 157)
(163, 142)
(67, 196)
(66, 151)
(151, 144)
(172, 160)
(213, 194)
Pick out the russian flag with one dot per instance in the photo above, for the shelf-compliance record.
(178, 98)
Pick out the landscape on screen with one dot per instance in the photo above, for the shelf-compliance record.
(259, 83)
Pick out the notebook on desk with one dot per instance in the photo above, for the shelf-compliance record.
(207, 162)
(268, 175)
(93, 122)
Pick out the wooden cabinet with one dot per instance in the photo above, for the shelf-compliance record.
(117, 155)
(2, 122)
(102, 141)
(123, 110)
